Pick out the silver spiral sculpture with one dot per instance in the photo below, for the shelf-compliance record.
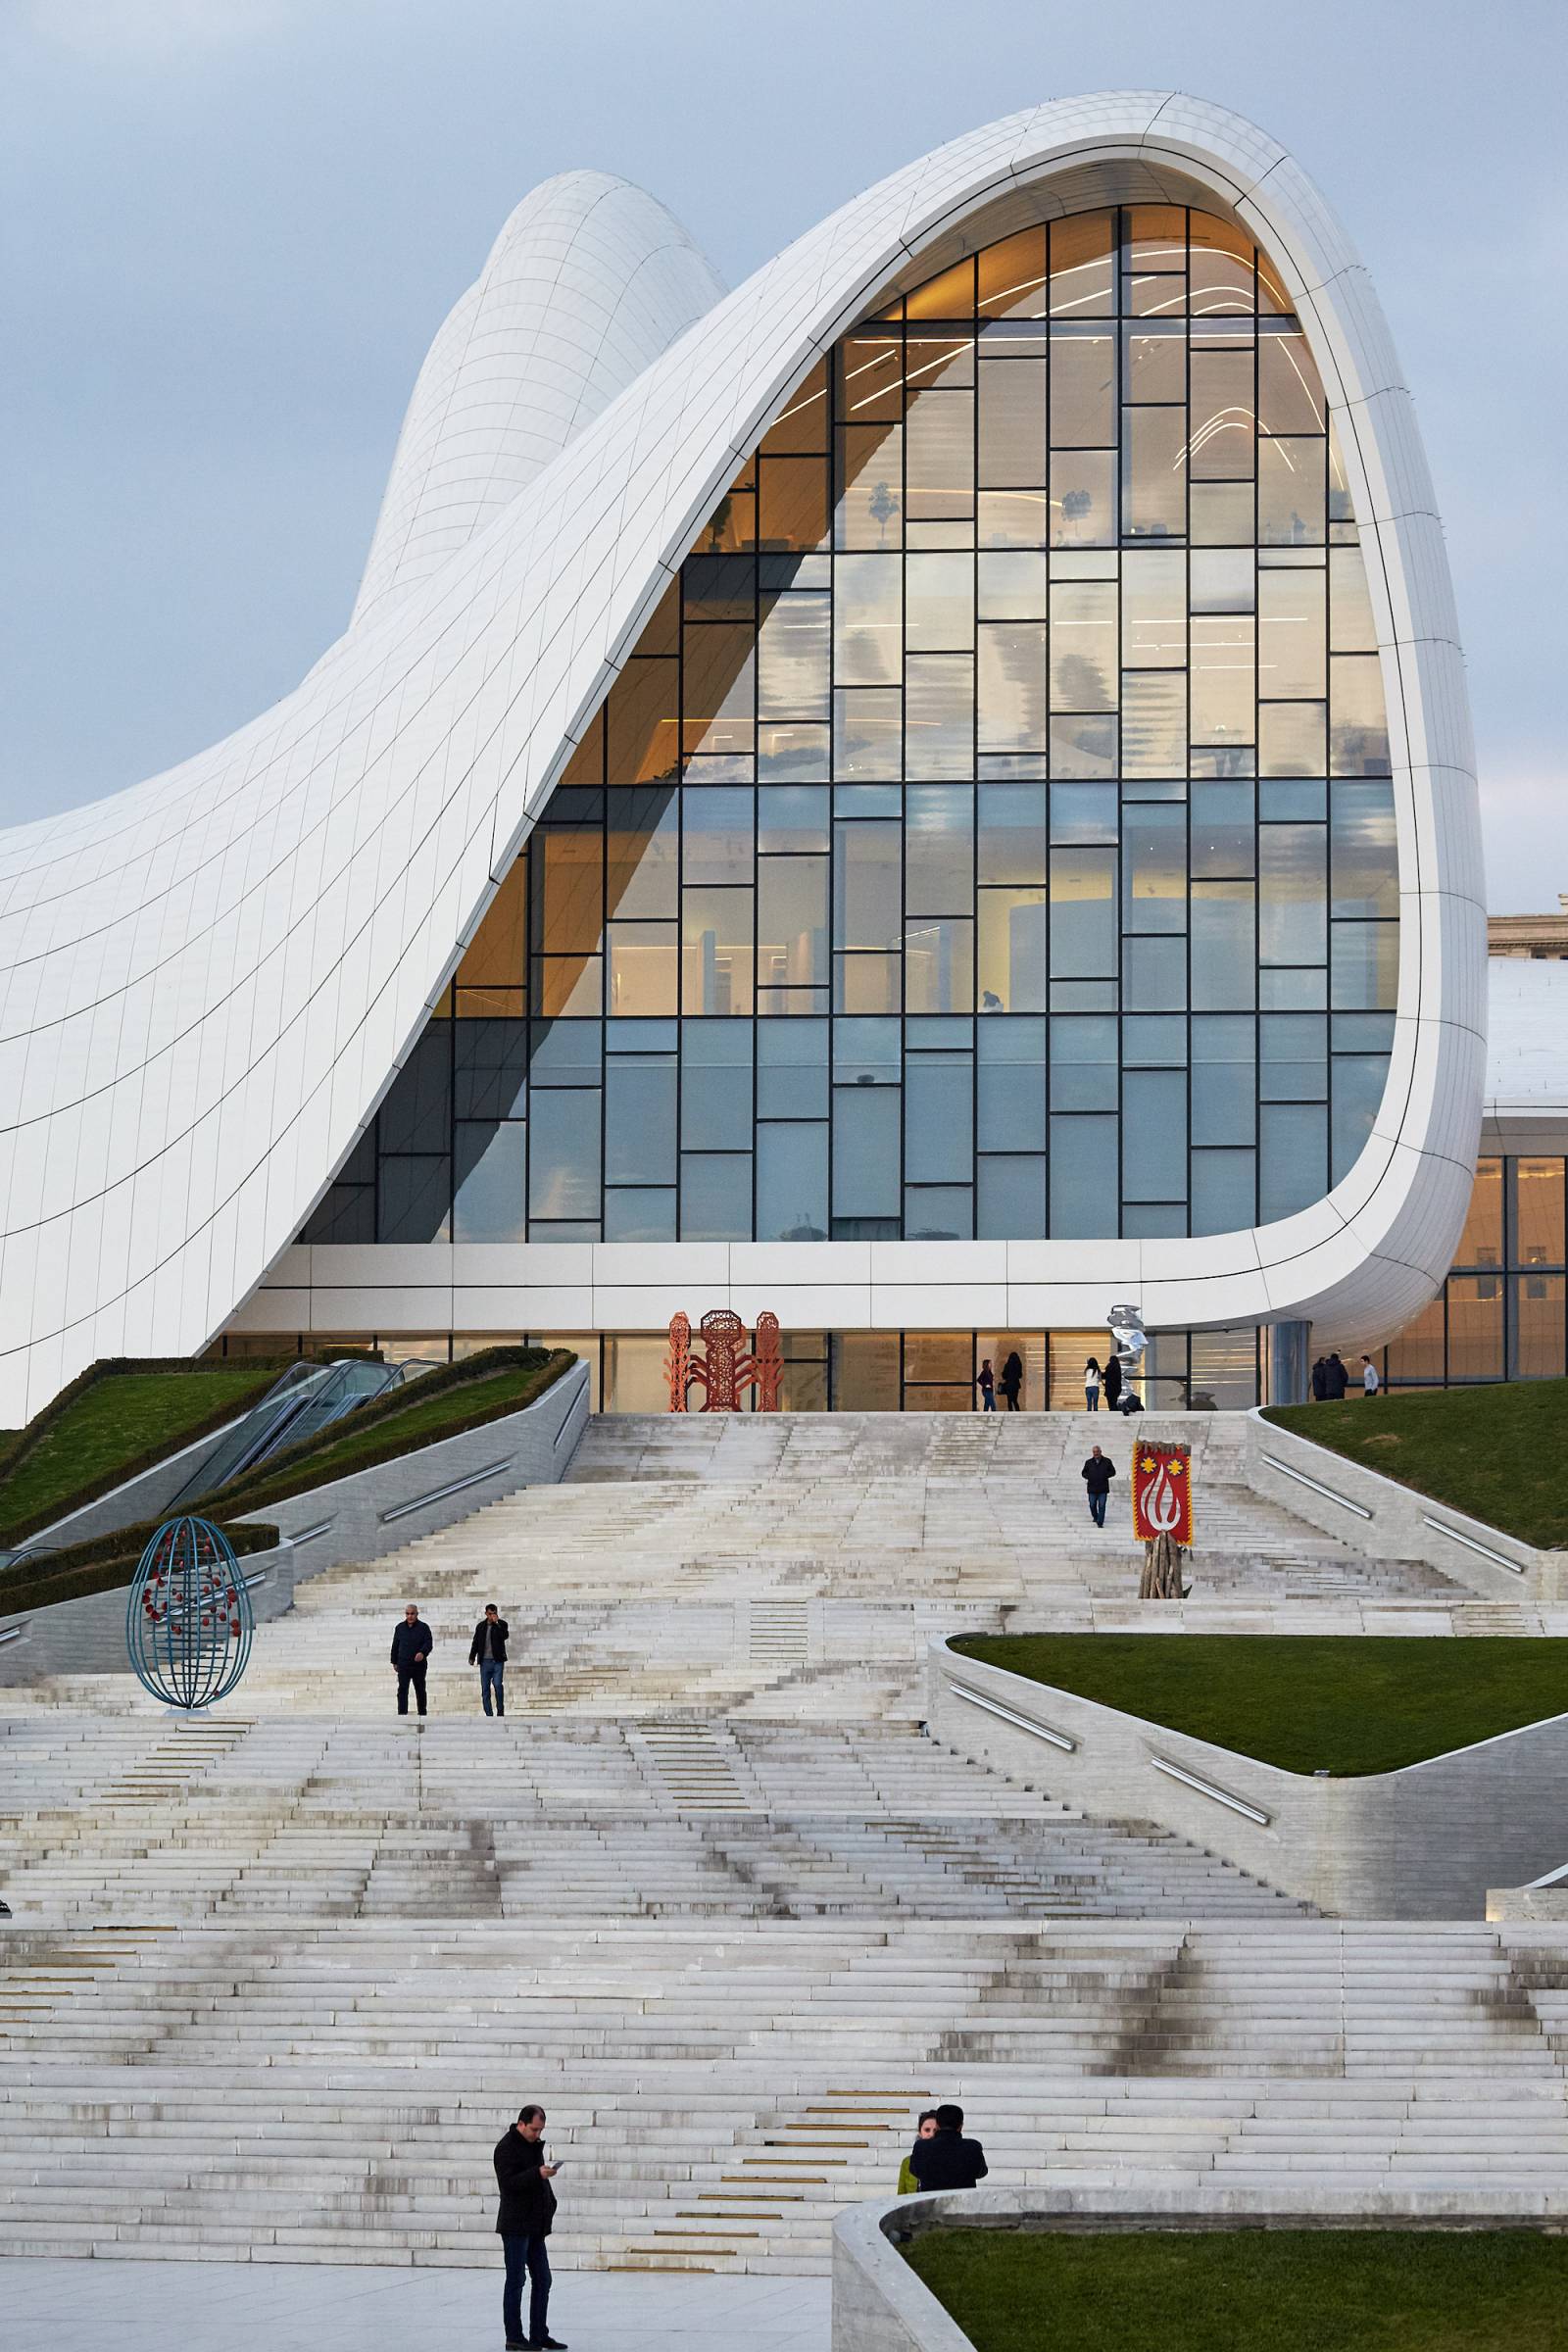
(189, 1619)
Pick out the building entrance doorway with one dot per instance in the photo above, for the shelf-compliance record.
(1070, 1350)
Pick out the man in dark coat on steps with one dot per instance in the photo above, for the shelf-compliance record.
(1097, 1472)
(522, 2223)
(488, 1651)
(412, 1644)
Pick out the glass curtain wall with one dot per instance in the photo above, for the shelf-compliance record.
(862, 1371)
(992, 834)
(1500, 1315)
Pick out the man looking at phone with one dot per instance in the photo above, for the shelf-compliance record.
(523, 2222)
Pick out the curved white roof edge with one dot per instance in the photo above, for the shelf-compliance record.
(589, 280)
(209, 980)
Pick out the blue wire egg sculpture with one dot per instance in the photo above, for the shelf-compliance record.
(189, 1619)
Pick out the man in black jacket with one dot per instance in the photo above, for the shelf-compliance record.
(488, 1651)
(947, 2160)
(1338, 1377)
(523, 2222)
(1097, 1472)
(412, 1644)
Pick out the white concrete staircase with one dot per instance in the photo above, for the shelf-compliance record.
(276, 1979)
(331, 2091)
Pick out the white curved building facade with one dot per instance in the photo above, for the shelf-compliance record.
(927, 793)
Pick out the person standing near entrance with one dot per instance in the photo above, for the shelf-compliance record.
(1336, 1379)
(1320, 1381)
(986, 1383)
(1097, 1472)
(1370, 1383)
(523, 2218)
(1012, 1379)
(488, 1651)
(412, 1644)
(1091, 1384)
(1113, 1382)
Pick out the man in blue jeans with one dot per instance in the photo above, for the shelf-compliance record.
(1098, 1475)
(523, 2222)
(488, 1651)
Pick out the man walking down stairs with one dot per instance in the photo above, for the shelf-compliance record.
(412, 1644)
(488, 1651)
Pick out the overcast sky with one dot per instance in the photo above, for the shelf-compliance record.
(231, 228)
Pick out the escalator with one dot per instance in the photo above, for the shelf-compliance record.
(307, 1400)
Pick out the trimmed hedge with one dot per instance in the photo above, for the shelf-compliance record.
(344, 1447)
(248, 1382)
(99, 1565)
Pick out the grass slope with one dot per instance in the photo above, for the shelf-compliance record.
(384, 1435)
(119, 1421)
(1355, 1704)
(1292, 2290)
(1496, 1452)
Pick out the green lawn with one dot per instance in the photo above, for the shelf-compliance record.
(1287, 2290)
(1496, 1452)
(119, 1423)
(1354, 1704)
(380, 1437)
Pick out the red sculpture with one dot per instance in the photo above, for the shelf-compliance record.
(725, 1367)
(767, 1364)
(678, 1362)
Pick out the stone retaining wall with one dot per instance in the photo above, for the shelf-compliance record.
(1424, 1843)
(881, 2305)
(380, 1509)
(1379, 1517)
(357, 1518)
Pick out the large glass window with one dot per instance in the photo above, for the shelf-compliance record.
(1010, 703)
(1502, 1312)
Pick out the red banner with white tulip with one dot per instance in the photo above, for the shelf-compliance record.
(1162, 1493)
